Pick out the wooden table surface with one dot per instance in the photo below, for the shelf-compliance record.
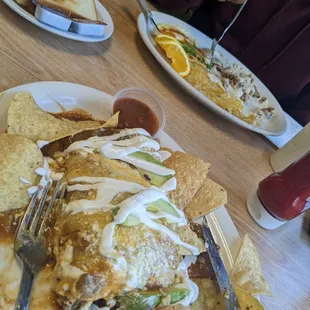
(239, 158)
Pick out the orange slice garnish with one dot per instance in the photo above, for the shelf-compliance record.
(175, 52)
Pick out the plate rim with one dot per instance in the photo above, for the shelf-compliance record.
(65, 34)
(221, 224)
(141, 24)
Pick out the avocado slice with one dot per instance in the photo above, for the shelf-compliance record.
(159, 205)
(146, 300)
(153, 178)
(163, 206)
(152, 208)
(176, 294)
(135, 301)
(114, 211)
(131, 221)
(148, 157)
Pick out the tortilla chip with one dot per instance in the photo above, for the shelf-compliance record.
(210, 297)
(26, 118)
(247, 272)
(19, 157)
(111, 122)
(209, 197)
(190, 237)
(78, 115)
(247, 301)
(190, 173)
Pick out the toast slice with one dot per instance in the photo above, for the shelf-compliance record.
(81, 10)
(27, 5)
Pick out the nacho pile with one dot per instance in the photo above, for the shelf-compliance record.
(125, 226)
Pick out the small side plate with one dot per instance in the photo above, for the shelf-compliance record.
(103, 15)
(56, 20)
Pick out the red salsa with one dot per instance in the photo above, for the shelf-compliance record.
(136, 114)
(287, 194)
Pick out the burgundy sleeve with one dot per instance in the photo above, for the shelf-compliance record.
(299, 107)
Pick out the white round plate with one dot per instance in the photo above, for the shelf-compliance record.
(103, 15)
(70, 96)
(275, 127)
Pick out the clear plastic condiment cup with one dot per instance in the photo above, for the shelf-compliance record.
(147, 97)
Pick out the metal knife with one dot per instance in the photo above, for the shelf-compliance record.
(222, 277)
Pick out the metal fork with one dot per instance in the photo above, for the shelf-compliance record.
(147, 14)
(28, 244)
(216, 41)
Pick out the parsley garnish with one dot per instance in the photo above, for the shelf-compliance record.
(192, 50)
(210, 65)
(189, 49)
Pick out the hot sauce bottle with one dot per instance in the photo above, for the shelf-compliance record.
(282, 196)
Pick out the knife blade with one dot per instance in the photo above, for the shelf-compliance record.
(220, 272)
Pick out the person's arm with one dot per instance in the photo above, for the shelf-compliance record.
(299, 108)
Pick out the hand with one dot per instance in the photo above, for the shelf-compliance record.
(233, 1)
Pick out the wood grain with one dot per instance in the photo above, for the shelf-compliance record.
(239, 158)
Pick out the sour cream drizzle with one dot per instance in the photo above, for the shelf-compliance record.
(42, 143)
(108, 188)
(164, 155)
(135, 206)
(109, 147)
(187, 284)
(25, 181)
(47, 175)
(193, 292)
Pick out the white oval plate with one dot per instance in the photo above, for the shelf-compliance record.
(275, 127)
(103, 15)
(70, 96)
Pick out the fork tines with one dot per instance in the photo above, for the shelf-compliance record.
(39, 208)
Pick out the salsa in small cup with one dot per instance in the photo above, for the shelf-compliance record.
(139, 108)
